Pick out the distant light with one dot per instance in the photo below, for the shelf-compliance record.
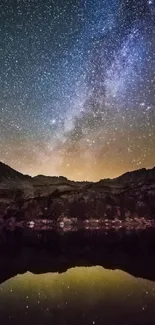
(53, 121)
(62, 224)
(142, 104)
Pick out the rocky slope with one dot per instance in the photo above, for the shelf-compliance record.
(25, 198)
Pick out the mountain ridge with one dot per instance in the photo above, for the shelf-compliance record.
(28, 198)
(7, 172)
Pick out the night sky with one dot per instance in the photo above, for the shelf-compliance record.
(77, 86)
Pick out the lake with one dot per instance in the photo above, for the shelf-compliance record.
(83, 277)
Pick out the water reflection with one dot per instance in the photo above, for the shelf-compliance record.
(73, 224)
(81, 295)
(80, 277)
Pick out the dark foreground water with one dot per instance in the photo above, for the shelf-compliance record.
(84, 277)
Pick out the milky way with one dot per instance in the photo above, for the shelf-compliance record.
(77, 86)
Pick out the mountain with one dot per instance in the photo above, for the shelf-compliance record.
(41, 179)
(141, 175)
(9, 174)
(13, 183)
(25, 197)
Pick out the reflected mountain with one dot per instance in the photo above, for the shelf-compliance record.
(39, 252)
(81, 295)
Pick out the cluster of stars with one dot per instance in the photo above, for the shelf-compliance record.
(77, 87)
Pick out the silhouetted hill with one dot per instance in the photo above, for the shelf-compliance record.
(137, 176)
(7, 173)
(141, 175)
(47, 180)
(126, 196)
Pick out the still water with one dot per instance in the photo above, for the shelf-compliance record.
(81, 295)
(85, 277)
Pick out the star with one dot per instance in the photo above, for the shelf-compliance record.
(77, 87)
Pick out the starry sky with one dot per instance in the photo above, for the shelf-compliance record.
(77, 86)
